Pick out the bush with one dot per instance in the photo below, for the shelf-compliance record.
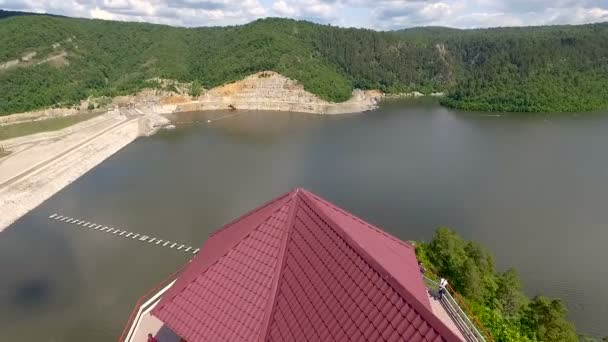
(195, 88)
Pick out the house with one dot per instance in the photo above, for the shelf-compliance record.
(298, 268)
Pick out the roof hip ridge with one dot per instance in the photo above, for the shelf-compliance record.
(270, 304)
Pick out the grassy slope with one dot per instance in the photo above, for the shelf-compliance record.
(531, 69)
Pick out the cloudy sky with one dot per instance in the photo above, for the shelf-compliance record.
(376, 14)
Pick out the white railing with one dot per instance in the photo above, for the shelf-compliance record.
(459, 317)
(143, 310)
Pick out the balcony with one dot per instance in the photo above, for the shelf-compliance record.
(451, 313)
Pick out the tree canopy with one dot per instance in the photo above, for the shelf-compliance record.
(556, 68)
(496, 298)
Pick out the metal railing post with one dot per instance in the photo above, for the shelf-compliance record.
(461, 319)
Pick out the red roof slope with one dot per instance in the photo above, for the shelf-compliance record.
(299, 268)
(396, 257)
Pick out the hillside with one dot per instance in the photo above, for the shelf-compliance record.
(48, 61)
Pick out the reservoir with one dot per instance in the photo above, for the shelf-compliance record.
(533, 188)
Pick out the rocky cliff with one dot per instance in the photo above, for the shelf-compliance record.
(266, 90)
(270, 91)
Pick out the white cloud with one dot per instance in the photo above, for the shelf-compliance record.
(315, 10)
(437, 11)
(598, 14)
(379, 14)
(118, 4)
(98, 13)
(282, 8)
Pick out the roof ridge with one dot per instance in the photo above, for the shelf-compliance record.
(270, 305)
(422, 309)
(360, 220)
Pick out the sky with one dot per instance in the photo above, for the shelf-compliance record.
(374, 14)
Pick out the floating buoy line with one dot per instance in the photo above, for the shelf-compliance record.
(123, 233)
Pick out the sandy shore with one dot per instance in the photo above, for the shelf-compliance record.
(40, 165)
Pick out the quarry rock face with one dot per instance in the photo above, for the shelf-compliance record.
(271, 91)
(265, 90)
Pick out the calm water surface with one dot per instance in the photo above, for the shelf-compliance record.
(534, 189)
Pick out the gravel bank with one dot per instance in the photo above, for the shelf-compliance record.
(44, 167)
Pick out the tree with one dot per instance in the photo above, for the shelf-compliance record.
(195, 88)
(495, 298)
(546, 318)
(509, 296)
(467, 265)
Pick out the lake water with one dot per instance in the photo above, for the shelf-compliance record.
(532, 188)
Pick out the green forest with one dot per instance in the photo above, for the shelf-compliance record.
(534, 69)
(495, 298)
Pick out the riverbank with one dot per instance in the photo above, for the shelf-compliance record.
(267, 91)
(40, 165)
(35, 167)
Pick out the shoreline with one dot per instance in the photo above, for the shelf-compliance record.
(43, 164)
(40, 165)
(260, 91)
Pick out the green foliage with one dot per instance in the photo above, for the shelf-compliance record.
(508, 295)
(103, 101)
(495, 298)
(172, 87)
(530, 69)
(545, 317)
(502, 328)
(195, 88)
(467, 264)
(550, 69)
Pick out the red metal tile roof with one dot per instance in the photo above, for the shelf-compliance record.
(299, 268)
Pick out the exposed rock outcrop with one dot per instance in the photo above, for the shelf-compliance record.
(262, 91)
(151, 122)
(270, 91)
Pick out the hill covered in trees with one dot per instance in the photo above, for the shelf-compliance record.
(559, 68)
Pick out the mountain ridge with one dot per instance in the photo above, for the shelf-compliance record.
(546, 68)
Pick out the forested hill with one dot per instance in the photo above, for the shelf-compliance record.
(560, 68)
